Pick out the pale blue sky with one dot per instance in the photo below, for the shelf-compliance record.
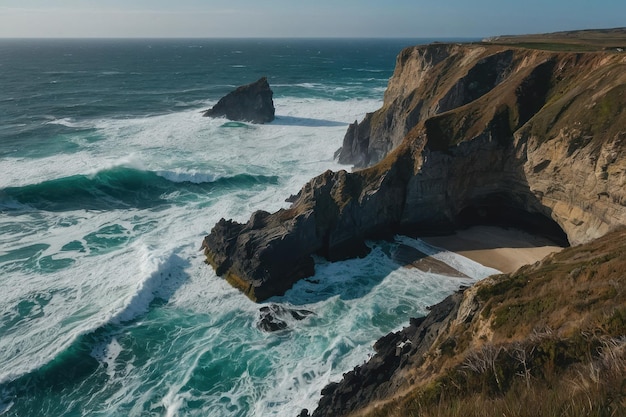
(312, 18)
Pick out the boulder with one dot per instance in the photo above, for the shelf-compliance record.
(274, 317)
(248, 103)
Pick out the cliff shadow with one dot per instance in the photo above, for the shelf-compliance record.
(492, 230)
(502, 230)
(305, 122)
(507, 235)
(354, 279)
(502, 210)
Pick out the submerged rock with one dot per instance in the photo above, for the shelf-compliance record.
(248, 103)
(275, 317)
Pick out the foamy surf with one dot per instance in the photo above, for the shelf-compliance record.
(88, 235)
(107, 191)
(351, 302)
(52, 326)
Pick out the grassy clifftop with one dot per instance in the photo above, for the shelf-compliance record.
(575, 41)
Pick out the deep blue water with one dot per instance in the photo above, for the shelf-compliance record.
(56, 79)
(109, 180)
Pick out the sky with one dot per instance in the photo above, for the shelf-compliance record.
(297, 18)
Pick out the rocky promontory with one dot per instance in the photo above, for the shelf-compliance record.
(468, 133)
(248, 103)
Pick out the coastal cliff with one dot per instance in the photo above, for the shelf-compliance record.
(468, 133)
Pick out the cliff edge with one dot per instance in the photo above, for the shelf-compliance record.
(468, 133)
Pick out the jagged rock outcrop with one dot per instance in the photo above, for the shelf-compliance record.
(491, 133)
(248, 103)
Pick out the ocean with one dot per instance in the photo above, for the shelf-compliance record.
(109, 180)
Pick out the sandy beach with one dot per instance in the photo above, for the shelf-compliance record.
(504, 249)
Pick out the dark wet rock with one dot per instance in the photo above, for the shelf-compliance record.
(248, 103)
(275, 317)
(381, 376)
(268, 254)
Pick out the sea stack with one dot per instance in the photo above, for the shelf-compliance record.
(248, 103)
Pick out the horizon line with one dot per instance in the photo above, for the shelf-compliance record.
(235, 37)
(355, 37)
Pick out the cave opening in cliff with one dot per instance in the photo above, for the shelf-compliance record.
(500, 210)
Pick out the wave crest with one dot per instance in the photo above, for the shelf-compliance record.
(121, 188)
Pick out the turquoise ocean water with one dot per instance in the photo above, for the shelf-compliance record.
(109, 180)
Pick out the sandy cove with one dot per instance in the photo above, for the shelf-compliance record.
(505, 249)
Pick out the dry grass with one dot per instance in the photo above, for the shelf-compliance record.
(578, 41)
(482, 387)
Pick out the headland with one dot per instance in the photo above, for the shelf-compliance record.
(524, 133)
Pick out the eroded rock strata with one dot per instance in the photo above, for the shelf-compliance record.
(467, 133)
(248, 103)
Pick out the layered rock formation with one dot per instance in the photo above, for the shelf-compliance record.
(248, 103)
(469, 133)
(433, 80)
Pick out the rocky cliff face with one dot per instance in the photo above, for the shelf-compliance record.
(471, 133)
(384, 374)
(426, 81)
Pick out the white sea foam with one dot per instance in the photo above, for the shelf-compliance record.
(184, 175)
(74, 304)
(186, 141)
(84, 296)
(460, 263)
(353, 302)
(66, 121)
(107, 353)
(156, 257)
